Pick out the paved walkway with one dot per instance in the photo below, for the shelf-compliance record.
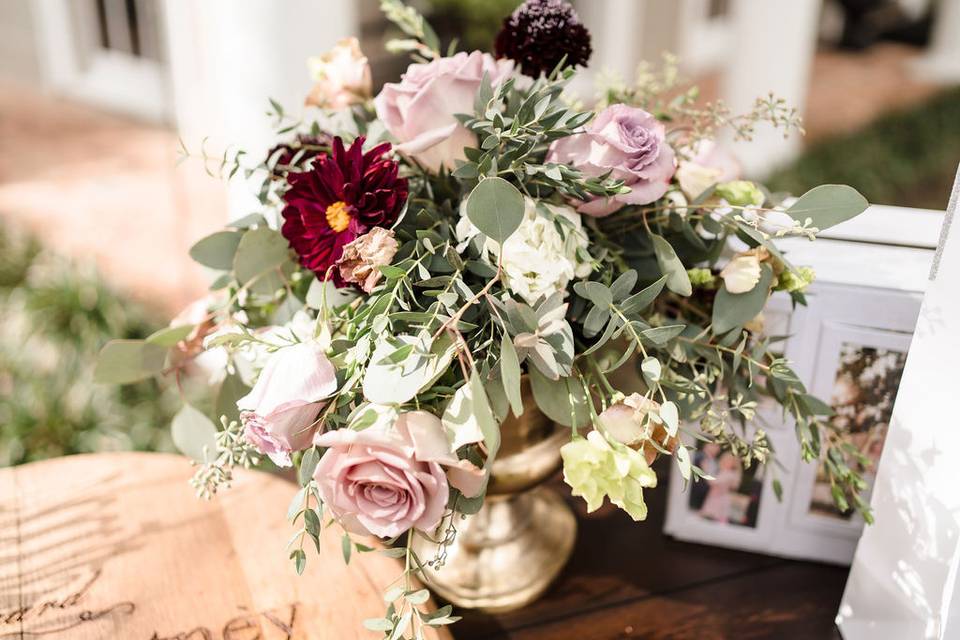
(101, 187)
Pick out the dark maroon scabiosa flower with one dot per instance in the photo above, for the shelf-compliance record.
(345, 194)
(540, 33)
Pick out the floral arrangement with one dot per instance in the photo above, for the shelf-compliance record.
(422, 254)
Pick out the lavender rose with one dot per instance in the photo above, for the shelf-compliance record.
(389, 478)
(419, 110)
(629, 144)
(279, 411)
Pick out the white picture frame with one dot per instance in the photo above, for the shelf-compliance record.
(867, 296)
(841, 317)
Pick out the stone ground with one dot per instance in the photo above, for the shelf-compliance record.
(105, 188)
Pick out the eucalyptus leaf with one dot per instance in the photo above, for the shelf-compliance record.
(595, 292)
(260, 250)
(670, 265)
(308, 464)
(651, 369)
(495, 207)
(126, 361)
(459, 420)
(378, 624)
(230, 391)
(828, 205)
(683, 462)
(510, 374)
(663, 335)
(644, 298)
(324, 291)
(670, 416)
(388, 383)
(623, 286)
(171, 335)
(217, 250)
(484, 417)
(194, 434)
(346, 547)
(554, 398)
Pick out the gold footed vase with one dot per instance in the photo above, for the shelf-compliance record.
(507, 554)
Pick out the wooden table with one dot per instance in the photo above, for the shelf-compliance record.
(628, 580)
(116, 546)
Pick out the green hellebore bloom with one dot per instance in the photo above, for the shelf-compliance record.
(596, 468)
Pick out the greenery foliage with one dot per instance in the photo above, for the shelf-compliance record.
(56, 316)
(906, 158)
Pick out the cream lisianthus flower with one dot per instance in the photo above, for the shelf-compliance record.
(596, 467)
(742, 273)
(342, 76)
(695, 178)
(546, 252)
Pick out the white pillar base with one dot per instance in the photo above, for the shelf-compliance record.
(903, 582)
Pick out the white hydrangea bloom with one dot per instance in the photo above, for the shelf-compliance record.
(543, 255)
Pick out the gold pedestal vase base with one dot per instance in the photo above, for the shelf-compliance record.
(507, 554)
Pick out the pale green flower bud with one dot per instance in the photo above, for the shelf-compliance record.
(596, 468)
(740, 193)
(799, 281)
(702, 278)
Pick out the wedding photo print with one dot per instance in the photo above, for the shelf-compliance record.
(862, 401)
(478, 319)
(732, 496)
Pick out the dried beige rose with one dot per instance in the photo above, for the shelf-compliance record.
(634, 422)
(362, 258)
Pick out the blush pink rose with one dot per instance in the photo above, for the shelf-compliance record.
(279, 412)
(385, 480)
(630, 145)
(419, 110)
(342, 76)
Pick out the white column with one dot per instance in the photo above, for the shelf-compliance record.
(903, 583)
(942, 60)
(773, 44)
(227, 57)
(617, 31)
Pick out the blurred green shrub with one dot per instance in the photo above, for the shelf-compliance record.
(474, 22)
(906, 158)
(55, 315)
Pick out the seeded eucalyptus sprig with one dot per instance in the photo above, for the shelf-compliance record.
(515, 127)
(423, 43)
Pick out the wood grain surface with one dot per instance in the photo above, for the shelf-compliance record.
(116, 546)
(628, 580)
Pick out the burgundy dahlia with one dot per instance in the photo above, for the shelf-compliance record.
(540, 33)
(344, 195)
